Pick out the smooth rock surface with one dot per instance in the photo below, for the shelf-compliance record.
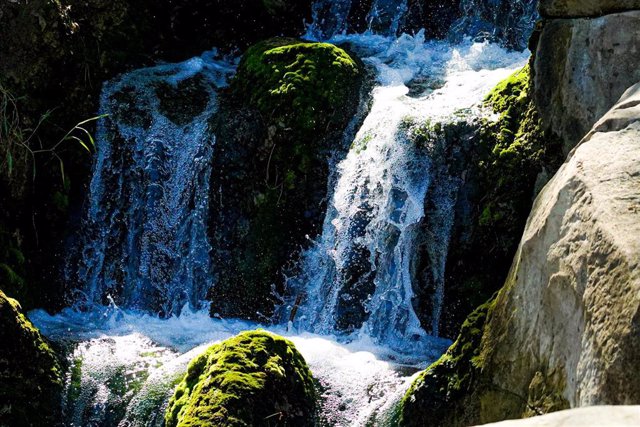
(597, 416)
(582, 67)
(584, 8)
(570, 310)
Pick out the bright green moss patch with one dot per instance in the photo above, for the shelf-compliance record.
(30, 376)
(519, 151)
(299, 83)
(255, 378)
(440, 388)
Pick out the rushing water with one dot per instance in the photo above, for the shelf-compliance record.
(144, 240)
(144, 244)
(358, 275)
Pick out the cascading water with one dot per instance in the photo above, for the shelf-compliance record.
(386, 16)
(144, 241)
(329, 18)
(506, 21)
(358, 275)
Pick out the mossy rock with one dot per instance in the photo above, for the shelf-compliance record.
(513, 156)
(300, 84)
(286, 113)
(443, 386)
(254, 379)
(31, 379)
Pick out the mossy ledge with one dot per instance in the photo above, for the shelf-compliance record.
(515, 157)
(286, 113)
(254, 379)
(31, 379)
(444, 384)
(299, 84)
(512, 159)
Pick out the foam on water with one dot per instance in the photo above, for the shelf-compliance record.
(358, 276)
(129, 362)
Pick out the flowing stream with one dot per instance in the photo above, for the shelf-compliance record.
(143, 255)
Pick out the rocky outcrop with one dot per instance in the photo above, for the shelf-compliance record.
(584, 8)
(550, 340)
(507, 162)
(255, 378)
(582, 66)
(283, 119)
(30, 376)
(54, 56)
(620, 416)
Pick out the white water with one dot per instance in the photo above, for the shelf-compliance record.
(146, 225)
(358, 275)
(144, 356)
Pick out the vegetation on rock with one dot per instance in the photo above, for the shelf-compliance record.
(301, 85)
(446, 382)
(255, 378)
(284, 117)
(512, 160)
(30, 376)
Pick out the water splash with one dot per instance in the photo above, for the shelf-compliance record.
(330, 17)
(358, 276)
(144, 240)
(386, 16)
(126, 364)
(505, 21)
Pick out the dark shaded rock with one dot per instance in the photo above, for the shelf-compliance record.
(31, 379)
(283, 119)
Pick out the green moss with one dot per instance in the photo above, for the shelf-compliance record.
(285, 114)
(518, 150)
(30, 375)
(255, 378)
(440, 387)
(298, 84)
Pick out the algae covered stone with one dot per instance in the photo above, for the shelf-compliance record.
(290, 108)
(30, 375)
(256, 378)
(301, 83)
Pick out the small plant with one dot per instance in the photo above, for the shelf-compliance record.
(19, 143)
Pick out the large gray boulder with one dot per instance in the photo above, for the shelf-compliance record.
(582, 67)
(564, 332)
(584, 8)
(618, 416)
(571, 307)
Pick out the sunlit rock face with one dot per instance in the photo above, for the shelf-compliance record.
(584, 8)
(582, 66)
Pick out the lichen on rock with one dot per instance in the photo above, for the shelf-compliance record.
(255, 378)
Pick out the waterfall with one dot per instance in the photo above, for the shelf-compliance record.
(507, 21)
(386, 16)
(144, 249)
(329, 18)
(144, 240)
(359, 275)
